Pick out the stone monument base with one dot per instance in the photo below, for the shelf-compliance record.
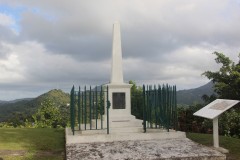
(121, 124)
(160, 145)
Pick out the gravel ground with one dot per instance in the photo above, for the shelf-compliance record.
(176, 149)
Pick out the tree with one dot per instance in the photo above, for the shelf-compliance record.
(18, 119)
(227, 79)
(227, 86)
(208, 99)
(136, 100)
(48, 115)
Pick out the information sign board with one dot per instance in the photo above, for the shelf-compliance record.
(215, 108)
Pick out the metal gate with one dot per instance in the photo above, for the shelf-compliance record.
(159, 107)
(87, 109)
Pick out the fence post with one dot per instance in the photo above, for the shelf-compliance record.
(90, 107)
(150, 105)
(159, 105)
(96, 105)
(168, 106)
(85, 107)
(108, 106)
(171, 105)
(72, 106)
(93, 104)
(82, 106)
(144, 110)
(175, 106)
(147, 106)
(164, 105)
(101, 107)
(79, 110)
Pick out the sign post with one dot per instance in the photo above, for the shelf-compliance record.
(213, 111)
(215, 133)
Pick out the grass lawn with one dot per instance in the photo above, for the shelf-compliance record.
(32, 144)
(232, 144)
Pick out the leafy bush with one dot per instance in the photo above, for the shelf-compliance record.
(49, 116)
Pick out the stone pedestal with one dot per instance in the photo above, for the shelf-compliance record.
(120, 116)
(120, 99)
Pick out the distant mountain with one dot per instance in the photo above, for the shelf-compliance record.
(191, 96)
(28, 106)
(18, 100)
(1, 102)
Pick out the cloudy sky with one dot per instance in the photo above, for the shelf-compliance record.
(49, 44)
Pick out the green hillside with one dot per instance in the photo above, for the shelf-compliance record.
(190, 96)
(56, 96)
(27, 107)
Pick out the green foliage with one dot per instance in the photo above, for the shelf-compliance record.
(19, 113)
(227, 79)
(15, 109)
(229, 123)
(27, 107)
(190, 123)
(49, 115)
(57, 96)
(227, 86)
(19, 119)
(136, 100)
(208, 99)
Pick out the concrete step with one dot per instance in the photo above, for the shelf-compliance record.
(122, 118)
(118, 123)
(126, 130)
(102, 136)
(111, 131)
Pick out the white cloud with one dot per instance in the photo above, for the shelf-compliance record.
(62, 43)
(9, 22)
(6, 20)
(32, 61)
(10, 69)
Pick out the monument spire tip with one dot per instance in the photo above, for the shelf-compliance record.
(116, 22)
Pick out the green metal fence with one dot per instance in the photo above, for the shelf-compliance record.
(87, 108)
(156, 105)
(159, 107)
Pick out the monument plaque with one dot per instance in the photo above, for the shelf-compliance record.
(118, 100)
(220, 105)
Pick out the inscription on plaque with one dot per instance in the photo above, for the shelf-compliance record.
(220, 105)
(118, 100)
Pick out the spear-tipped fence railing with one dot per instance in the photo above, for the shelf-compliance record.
(159, 107)
(87, 109)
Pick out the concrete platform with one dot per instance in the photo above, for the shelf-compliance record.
(90, 136)
(154, 145)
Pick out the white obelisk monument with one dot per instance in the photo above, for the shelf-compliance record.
(117, 69)
(119, 92)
